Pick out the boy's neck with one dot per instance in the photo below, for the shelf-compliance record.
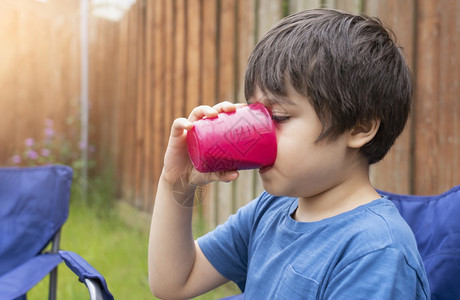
(355, 191)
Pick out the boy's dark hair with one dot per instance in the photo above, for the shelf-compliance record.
(348, 66)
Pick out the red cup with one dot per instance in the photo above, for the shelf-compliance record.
(240, 140)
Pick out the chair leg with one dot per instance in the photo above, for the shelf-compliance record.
(53, 275)
(53, 284)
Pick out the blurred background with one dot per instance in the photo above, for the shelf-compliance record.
(96, 85)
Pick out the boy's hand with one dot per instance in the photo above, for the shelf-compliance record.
(177, 161)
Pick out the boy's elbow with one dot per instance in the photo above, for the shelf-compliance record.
(160, 289)
(158, 293)
(157, 290)
(155, 287)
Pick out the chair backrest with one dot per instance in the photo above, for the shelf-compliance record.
(435, 221)
(34, 204)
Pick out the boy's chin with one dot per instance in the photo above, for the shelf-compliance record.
(273, 185)
(273, 190)
(279, 191)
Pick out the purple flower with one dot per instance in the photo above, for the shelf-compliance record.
(32, 154)
(82, 145)
(49, 123)
(45, 152)
(49, 132)
(16, 159)
(29, 142)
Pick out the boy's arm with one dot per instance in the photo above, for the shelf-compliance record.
(177, 267)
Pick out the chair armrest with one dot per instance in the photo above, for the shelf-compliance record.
(88, 275)
(94, 289)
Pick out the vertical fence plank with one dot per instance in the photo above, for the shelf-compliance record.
(148, 182)
(180, 46)
(225, 92)
(298, 5)
(454, 46)
(168, 44)
(160, 133)
(227, 40)
(125, 116)
(101, 92)
(434, 115)
(269, 12)
(140, 104)
(209, 53)
(353, 6)
(394, 171)
(113, 100)
(132, 95)
(209, 88)
(193, 55)
(329, 3)
(122, 125)
(449, 110)
(246, 41)
(427, 87)
(9, 31)
(10, 19)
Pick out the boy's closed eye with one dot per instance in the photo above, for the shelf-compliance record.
(280, 119)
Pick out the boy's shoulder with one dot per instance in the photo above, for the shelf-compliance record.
(382, 222)
(379, 227)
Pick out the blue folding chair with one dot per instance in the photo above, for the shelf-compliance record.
(34, 205)
(435, 221)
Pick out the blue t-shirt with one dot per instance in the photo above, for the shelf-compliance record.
(366, 253)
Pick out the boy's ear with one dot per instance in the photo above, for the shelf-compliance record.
(362, 133)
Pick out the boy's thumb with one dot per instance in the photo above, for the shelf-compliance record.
(228, 176)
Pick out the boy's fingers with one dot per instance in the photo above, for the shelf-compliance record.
(222, 105)
(197, 178)
(228, 176)
(226, 106)
(224, 176)
(179, 125)
(202, 111)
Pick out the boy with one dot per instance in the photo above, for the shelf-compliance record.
(339, 91)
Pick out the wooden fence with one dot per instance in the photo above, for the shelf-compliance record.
(39, 70)
(166, 57)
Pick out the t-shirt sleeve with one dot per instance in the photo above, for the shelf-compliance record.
(226, 247)
(382, 274)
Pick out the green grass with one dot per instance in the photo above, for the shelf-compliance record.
(113, 238)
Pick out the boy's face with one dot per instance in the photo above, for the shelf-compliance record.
(303, 167)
